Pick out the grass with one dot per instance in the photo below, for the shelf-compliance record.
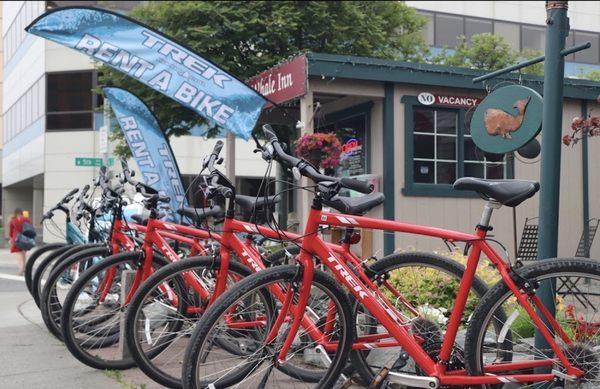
(118, 376)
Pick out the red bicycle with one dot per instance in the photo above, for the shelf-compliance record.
(158, 324)
(518, 333)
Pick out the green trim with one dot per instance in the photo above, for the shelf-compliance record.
(389, 187)
(347, 113)
(585, 181)
(373, 69)
(434, 190)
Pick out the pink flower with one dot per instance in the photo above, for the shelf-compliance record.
(566, 139)
(576, 123)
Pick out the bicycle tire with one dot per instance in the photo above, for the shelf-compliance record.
(396, 261)
(277, 274)
(142, 358)
(279, 256)
(36, 282)
(79, 349)
(50, 306)
(498, 294)
(33, 257)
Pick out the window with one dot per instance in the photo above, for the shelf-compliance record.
(477, 26)
(69, 102)
(447, 29)
(589, 55)
(428, 29)
(434, 145)
(477, 165)
(511, 33)
(438, 150)
(15, 34)
(533, 38)
(351, 127)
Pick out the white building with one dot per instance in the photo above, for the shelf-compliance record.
(521, 23)
(49, 118)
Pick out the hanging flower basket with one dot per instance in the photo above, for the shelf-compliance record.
(322, 150)
(582, 127)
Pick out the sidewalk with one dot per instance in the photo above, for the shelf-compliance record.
(30, 357)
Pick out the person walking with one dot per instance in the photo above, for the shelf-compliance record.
(15, 228)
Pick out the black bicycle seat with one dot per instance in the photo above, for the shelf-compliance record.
(507, 192)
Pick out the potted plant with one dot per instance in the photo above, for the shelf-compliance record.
(323, 150)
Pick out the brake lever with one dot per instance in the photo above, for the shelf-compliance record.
(258, 146)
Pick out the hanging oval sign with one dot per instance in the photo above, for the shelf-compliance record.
(507, 119)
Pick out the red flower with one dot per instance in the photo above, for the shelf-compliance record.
(327, 146)
(567, 139)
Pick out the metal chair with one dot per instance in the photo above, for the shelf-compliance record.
(528, 250)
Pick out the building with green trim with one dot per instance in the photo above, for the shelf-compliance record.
(411, 125)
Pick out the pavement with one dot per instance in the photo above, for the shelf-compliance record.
(30, 357)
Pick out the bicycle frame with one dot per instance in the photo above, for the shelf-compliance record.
(395, 323)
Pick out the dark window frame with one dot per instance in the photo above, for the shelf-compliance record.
(348, 113)
(93, 102)
(412, 188)
(570, 58)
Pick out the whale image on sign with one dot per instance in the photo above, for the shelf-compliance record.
(507, 119)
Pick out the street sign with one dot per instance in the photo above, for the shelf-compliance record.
(507, 119)
(92, 162)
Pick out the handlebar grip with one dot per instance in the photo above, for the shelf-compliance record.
(269, 133)
(70, 194)
(218, 147)
(357, 185)
(47, 215)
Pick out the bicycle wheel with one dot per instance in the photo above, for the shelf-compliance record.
(93, 309)
(41, 263)
(36, 255)
(423, 287)
(43, 270)
(164, 311)
(575, 286)
(62, 276)
(279, 256)
(245, 314)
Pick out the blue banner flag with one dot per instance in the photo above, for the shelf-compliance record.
(148, 145)
(155, 60)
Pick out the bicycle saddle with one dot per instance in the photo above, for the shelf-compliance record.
(143, 219)
(355, 205)
(507, 192)
(200, 214)
(249, 203)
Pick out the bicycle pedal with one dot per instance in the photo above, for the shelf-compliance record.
(379, 379)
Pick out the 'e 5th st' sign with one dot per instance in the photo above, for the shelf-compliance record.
(283, 82)
(427, 98)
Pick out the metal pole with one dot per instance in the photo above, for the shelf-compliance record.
(105, 132)
(585, 184)
(557, 27)
(230, 163)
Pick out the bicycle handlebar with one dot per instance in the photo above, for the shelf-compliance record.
(305, 168)
(209, 163)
